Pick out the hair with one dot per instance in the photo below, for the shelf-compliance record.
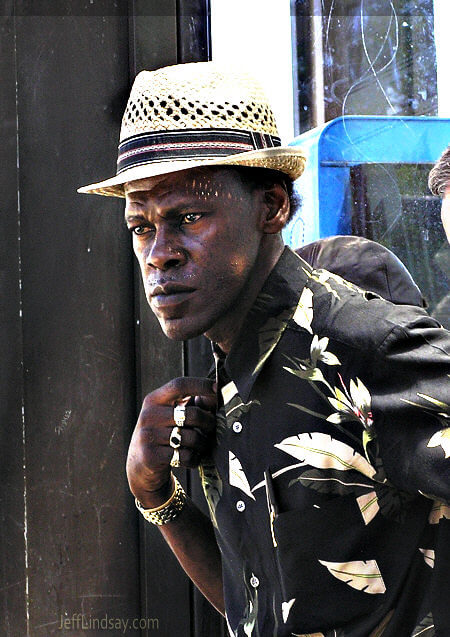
(266, 177)
(439, 177)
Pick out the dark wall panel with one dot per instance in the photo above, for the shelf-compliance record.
(153, 39)
(166, 591)
(77, 322)
(80, 347)
(13, 611)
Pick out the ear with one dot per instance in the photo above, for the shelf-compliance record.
(276, 207)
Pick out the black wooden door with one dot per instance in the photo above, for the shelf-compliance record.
(79, 347)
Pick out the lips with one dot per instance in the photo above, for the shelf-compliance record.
(163, 295)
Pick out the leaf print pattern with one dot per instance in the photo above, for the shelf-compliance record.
(353, 405)
(233, 408)
(364, 576)
(303, 314)
(393, 504)
(368, 505)
(232, 633)
(441, 438)
(340, 405)
(212, 488)
(322, 277)
(228, 392)
(236, 408)
(437, 407)
(324, 452)
(428, 556)
(286, 609)
(439, 511)
(249, 620)
(333, 481)
(269, 336)
(425, 628)
(371, 498)
(307, 368)
(238, 478)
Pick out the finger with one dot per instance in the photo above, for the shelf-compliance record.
(201, 419)
(163, 415)
(179, 388)
(189, 458)
(190, 438)
(206, 402)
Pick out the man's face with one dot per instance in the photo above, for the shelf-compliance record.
(445, 212)
(196, 235)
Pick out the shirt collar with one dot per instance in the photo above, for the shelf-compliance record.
(266, 321)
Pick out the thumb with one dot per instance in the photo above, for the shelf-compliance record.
(209, 403)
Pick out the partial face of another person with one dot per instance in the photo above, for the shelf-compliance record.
(196, 235)
(445, 212)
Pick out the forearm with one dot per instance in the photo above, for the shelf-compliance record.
(190, 535)
(191, 538)
(159, 495)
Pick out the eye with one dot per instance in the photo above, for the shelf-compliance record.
(190, 217)
(139, 230)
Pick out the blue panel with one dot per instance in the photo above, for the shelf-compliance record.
(384, 139)
(352, 140)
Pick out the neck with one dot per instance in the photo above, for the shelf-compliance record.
(226, 330)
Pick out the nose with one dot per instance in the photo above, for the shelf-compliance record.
(164, 252)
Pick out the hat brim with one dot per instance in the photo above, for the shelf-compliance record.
(290, 161)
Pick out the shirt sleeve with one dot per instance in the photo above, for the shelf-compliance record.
(411, 408)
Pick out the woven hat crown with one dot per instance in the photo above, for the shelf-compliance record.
(191, 115)
(196, 96)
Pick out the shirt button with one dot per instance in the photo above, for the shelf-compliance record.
(240, 505)
(254, 581)
(237, 427)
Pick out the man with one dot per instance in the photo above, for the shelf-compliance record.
(439, 184)
(323, 441)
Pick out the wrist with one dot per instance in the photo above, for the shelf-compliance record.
(168, 510)
(157, 495)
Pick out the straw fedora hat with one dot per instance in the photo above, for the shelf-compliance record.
(196, 114)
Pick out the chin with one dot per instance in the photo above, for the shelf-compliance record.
(180, 330)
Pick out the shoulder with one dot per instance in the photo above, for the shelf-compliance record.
(333, 307)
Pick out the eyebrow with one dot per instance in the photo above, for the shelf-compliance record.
(133, 217)
(168, 213)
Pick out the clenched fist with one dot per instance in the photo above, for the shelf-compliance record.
(149, 454)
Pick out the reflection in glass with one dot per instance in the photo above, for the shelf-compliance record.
(379, 58)
(391, 204)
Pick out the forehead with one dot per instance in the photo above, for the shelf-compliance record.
(201, 183)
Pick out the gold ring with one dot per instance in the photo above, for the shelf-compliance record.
(179, 415)
(175, 437)
(175, 462)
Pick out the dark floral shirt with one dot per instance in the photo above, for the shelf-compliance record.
(329, 485)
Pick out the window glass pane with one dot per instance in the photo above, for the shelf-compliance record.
(358, 66)
(377, 57)
(391, 204)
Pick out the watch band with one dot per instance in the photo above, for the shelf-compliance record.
(167, 511)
